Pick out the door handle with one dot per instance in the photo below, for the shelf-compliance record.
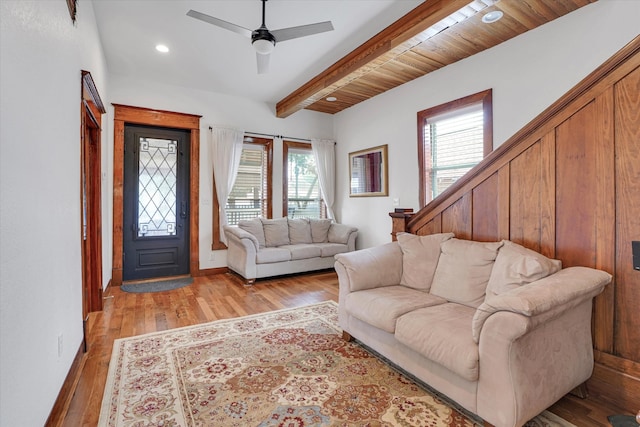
(183, 210)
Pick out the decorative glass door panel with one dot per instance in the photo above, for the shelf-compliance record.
(157, 179)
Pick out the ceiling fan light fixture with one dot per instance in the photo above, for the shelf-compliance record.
(263, 46)
(493, 16)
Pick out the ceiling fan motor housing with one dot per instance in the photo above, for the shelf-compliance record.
(263, 35)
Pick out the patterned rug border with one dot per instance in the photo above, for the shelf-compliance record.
(543, 421)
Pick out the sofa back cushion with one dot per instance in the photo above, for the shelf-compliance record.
(254, 226)
(276, 232)
(299, 231)
(320, 230)
(420, 256)
(516, 266)
(463, 270)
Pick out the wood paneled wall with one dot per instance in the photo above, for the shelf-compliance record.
(568, 185)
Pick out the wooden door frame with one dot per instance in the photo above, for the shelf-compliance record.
(91, 110)
(124, 114)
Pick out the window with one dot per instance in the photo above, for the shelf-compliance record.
(301, 189)
(452, 139)
(251, 193)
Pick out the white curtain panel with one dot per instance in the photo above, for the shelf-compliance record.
(324, 151)
(226, 149)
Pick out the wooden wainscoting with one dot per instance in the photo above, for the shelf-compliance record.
(568, 185)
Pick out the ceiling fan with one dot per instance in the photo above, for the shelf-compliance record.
(262, 39)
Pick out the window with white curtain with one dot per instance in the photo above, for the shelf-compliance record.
(454, 137)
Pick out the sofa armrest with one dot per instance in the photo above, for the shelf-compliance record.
(370, 268)
(231, 232)
(341, 233)
(544, 298)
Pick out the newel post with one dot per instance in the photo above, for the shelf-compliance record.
(399, 221)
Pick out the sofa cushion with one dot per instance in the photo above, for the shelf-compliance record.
(516, 266)
(270, 255)
(380, 307)
(320, 230)
(420, 256)
(276, 232)
(339, 233)
(442, 334)
(463, 270)
(254, 226)
(301, 251)
(331, 249)
(299, 231)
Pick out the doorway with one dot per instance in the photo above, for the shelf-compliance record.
(129, 115)
(91, 110)
(156, 202)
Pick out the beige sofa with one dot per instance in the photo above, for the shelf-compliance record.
(271, 247)
(499, 329)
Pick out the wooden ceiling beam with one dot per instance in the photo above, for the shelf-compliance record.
(362, 60)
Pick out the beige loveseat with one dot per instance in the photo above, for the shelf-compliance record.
(271, 247)
(499, 329)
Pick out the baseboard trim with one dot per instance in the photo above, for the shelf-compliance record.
(211, 271)
(61, 405)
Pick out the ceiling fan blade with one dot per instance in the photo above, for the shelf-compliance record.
(263, 63)
(219, 23)
(301, 31)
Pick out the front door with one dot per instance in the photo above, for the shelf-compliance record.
(156, 202)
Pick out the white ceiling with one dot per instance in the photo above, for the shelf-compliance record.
(209, 58)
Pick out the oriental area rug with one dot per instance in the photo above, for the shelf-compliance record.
(288, 368)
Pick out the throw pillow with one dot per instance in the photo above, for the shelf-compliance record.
(420, 256)
(254, 226)
(276, 231)
(299, 231)
(516, 266)
(463, 271)
(320, 230)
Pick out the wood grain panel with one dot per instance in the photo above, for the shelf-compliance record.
(605, 228)
(576, 195)
(485, 215)
(432, 227)
(457, 218)
(548, 195)
(504, 201)
(525, 198)
(627, 298)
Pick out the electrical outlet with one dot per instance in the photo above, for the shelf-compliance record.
(60, 348)
(396, 202)
(212, 256)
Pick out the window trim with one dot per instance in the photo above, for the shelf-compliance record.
(268, 146)
(286, 145)
(484, 97)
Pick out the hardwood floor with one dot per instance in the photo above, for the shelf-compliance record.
(221, 297)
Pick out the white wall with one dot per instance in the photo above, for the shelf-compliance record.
(42, 54)
(527, 74)
(225, 110)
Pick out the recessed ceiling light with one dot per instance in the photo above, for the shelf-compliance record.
(331, 98)
(162, 48)
(491, 17)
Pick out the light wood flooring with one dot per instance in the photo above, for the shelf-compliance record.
(220, 297)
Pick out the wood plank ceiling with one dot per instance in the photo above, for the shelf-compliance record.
(405, 50)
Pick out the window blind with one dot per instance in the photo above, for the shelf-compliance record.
(247, 199)
(455, 144)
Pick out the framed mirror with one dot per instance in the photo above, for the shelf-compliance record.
(368, 172)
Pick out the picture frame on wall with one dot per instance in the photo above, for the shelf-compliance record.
(368, 172)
